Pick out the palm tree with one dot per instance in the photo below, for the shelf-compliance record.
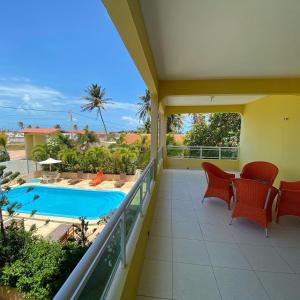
(144, 111)
(21, 125)
(174, 123)
(95, 100)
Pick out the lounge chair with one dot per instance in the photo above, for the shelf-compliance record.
(61, 233)
(77, 179)
(98, 179)
(121, 181)
(10, 221)
(219, 183)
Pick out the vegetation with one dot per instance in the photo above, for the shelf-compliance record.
(96, 101)
(174, 122)
(85, 155)
(4, 156)
(36, 267)
(221, 129)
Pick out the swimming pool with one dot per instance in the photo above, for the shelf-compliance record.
(66, 202)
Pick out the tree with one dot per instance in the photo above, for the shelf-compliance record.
(75, 127)
(197, 118)
(20, 125)
(3, 140)
(6, 179)
(82, 232)
(221, 129)
(96, 100)
(144, 111)
(87, 138)
(225, 126)
(174, 123)
(57, 126)
(29, 126)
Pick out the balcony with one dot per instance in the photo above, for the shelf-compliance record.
(193, 252)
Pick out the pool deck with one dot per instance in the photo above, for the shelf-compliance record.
(44, 229)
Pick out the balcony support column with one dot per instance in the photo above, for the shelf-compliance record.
(154, 129)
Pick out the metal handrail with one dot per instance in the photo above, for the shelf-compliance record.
(201, 150)
(81, 273)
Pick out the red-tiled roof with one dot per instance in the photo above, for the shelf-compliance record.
(81, 131)
(40, 130)
(130, 138)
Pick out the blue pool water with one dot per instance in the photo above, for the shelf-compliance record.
(66, 202)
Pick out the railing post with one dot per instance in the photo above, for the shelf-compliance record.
(123, 239)
(219, 153)
(200, 152)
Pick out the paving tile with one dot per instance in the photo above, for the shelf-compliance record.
(156, 279)
(192, 282)
(159, 248)
(226, 255)
(291, 256)
(280, 286)
(161, 227)
(264, 258)
(216, 233)
(235, 284)
(190, 251)
(187, 230)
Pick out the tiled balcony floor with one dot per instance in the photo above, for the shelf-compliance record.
(194, 254)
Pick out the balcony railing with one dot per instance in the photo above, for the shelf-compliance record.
(159, 155)
(203, 152)
(93, 275)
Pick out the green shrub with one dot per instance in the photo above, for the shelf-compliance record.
(4, 156)
(41, 268)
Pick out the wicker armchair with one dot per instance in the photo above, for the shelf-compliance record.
(288, 199)
(261, 171)
(218, 183)
(253, 200)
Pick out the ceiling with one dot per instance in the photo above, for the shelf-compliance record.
(207, 39)
(208, 100)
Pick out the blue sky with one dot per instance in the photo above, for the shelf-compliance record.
(50, 51)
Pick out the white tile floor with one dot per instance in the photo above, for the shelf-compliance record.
(194, 254)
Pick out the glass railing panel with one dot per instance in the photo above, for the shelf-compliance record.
(100, 278)
(210, 153)
(132, 212)
(229, 153)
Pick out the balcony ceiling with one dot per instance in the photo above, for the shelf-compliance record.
(205, 39)
(208, 100)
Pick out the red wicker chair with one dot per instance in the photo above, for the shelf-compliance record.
(288, 202)
(261, 171)
(218, 183)
(253, 200)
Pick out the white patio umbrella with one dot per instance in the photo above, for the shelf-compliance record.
(50, 161)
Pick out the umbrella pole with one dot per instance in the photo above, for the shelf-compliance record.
(50, 167)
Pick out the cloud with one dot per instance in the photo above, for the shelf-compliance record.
(31, 96)
(122, 105)
(130, 120)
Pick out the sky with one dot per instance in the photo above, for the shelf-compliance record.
(50, 52)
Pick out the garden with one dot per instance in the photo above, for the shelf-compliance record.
(84, 153)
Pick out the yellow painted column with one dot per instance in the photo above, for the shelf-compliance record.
(154, 126)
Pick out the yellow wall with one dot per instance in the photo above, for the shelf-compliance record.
(195, 164)
(270, 131)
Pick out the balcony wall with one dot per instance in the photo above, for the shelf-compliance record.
(270, 131)
(195, 164)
